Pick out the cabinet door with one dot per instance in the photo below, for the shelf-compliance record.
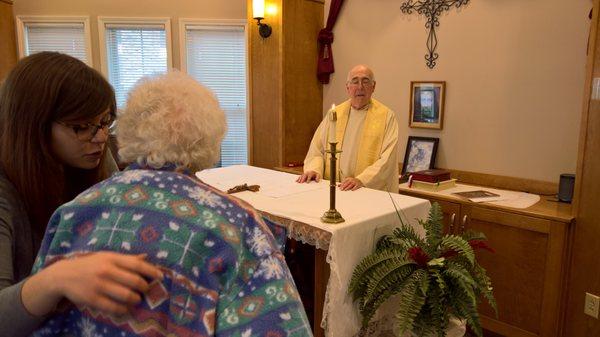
(526, 270)
(451, 212)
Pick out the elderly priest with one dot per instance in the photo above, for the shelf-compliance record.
(367, 133)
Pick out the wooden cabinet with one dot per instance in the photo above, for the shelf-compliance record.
(528, 265)
(8, 50)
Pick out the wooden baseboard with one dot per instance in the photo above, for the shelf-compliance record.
(504, 182)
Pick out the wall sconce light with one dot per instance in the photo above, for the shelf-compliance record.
(258, 13)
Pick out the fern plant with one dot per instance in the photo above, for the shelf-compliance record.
(435, 278)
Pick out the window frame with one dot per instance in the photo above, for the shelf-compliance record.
(23, 20)
(136, 22)
(183, 26)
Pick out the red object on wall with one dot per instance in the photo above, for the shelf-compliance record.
(325, 62)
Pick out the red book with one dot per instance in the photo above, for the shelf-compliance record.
(431, 176)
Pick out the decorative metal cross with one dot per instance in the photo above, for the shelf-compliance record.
(432, 10)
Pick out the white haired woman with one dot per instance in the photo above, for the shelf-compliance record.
(224, 274)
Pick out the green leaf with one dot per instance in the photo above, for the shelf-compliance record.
(468, 310)
(484, 285)
(439, 279)
(362, 272)
(406, 237)
(368, 309)
(411, 301)
(387, 276)
(434, 227)
(460, 275)
(470, 235)
(459, 245)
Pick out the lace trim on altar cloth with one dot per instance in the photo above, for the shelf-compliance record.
(302, 232)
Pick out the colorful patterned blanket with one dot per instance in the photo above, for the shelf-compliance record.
(224, 272)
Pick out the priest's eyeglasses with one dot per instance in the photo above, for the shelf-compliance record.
(87, 131)
(365, 81)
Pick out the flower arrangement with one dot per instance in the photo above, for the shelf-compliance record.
(435, 278)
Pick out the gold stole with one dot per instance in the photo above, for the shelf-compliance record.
(371, 138)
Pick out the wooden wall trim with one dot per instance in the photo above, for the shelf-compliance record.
(303, 94)
(285, 95)
(8, 44)
(10, 2)
(505, 182)
(593, 58)
(583, 276)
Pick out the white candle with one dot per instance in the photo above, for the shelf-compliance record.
(332, 124)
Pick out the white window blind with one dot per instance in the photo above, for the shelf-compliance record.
(67, 38)
(216, 57)
(134, 51)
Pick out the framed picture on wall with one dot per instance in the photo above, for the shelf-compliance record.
(420, 154)
(427, 104)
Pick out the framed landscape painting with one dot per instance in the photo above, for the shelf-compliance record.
(427, 105)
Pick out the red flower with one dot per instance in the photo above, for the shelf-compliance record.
(449, 253)
(419, 256)
(481, 244)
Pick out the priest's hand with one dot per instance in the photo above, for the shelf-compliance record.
(350, 184)
(306, 177)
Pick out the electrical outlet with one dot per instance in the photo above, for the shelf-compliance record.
(592, 304)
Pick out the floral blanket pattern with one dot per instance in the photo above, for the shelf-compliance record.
(224, 271)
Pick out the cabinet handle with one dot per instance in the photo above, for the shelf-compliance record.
(464, 221)
(452, 217)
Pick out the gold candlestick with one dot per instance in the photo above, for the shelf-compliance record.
(332, 215)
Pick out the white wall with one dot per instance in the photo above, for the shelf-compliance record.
(514, 72)
(175, 9)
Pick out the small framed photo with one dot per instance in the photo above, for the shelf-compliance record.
(427, 105)
(420, 154)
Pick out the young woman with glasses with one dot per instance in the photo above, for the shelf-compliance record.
(55, 113)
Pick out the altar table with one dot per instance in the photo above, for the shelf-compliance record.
(368, 215)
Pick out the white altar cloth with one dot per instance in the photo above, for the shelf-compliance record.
(369, 214)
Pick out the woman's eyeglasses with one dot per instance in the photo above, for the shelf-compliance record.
(86, 132)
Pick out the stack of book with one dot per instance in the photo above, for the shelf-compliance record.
(431, 180)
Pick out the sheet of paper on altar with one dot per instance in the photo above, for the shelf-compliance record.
(273, 186)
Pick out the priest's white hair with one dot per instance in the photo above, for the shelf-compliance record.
(360, 67)
(171, 118)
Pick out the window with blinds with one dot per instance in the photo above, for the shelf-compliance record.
(216, 57)
(51, 34)
(134, 51)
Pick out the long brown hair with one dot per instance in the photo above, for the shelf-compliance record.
(41, 89)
